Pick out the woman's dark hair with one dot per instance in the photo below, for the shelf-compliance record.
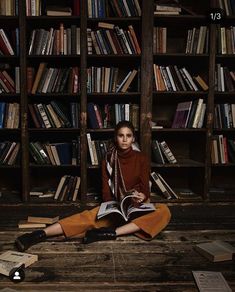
(124, 124)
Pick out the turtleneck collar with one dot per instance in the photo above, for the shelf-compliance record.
(125, 154)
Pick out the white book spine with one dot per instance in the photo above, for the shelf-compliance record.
(190, 79)
(222, 79)
(197, 113)
(171, 78)
(90, 148)
(202, 116)
(166, 150)
(43, 115)
(6, 41)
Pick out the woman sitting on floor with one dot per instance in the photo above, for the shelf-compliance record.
(124, 169)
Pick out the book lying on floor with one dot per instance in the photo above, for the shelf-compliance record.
(208, 281)
(216, 251)
(26, 224)
(45, 220)
(125, 208)
(11, 260)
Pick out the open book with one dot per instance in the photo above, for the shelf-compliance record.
(210, 281)
(11, 260)
(125, 208)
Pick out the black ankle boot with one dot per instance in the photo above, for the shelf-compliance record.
(26, 240)
(99, 234)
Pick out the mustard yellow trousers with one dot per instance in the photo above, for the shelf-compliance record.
(150, 224)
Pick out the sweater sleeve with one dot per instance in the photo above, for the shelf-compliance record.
(106, 192)
(145, 176)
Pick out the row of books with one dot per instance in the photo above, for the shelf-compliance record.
(56, 153)
(172, 78)
(225, 40)
(41, 7)
(107, 116)
(62, 41)
(9, 115)
(106, 79)
(224, 79)
(97, 150)
(6, 45)
(224, 116)
(9, 84)
(36, 221)
(9, 7)
(228, 6)
(54, 115)
(162, 153)
(222, 150)
(67, 189)
(121, 8)
(197, 40)
(9, 152)
(110, 39)
(189, 114)
(53, 80)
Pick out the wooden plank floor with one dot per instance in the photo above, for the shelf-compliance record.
(127, 264)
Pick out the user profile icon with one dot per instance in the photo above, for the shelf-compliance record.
(17, 275)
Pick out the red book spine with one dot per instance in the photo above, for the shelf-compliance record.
(76, 7)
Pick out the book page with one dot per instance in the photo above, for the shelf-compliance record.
(19, 257)
(7, 266)
(108, 208)
(145, 207)
(208, 281)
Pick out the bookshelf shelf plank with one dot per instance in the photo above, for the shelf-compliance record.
(52, 18)
(225, 165)
(52, 57)
(186, 130)
(113, 19)
(186, 163)
(109, 56)
(54, 130)
(67, 166)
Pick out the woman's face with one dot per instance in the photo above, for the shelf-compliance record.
(124, 138)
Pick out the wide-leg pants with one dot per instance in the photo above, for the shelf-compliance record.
(150, 224)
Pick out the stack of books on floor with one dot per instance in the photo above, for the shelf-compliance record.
(37, 222)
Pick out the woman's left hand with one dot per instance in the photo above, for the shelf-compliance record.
(138, 197)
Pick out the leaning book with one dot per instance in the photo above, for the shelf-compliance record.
(125, 208)
(11, 260)
(208, 281)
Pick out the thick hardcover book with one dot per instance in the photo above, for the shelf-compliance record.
(157, 153)
(216, 251)
(45, 220)
(125, 208)
(25, 224)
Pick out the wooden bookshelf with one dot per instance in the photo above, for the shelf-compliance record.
(193, 177)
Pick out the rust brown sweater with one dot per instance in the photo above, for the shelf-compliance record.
(135, 170)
